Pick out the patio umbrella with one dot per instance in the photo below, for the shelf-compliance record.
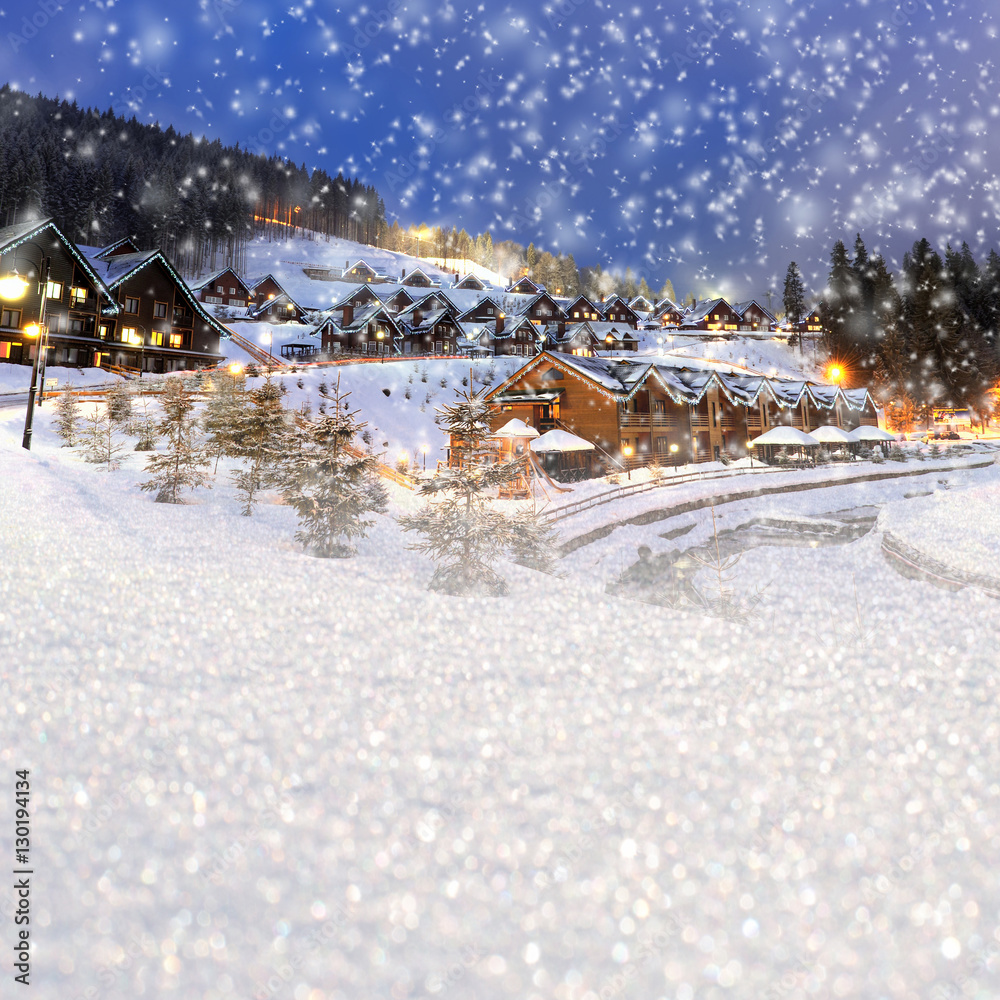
(828, 434)
(785, 436)
(868, 433)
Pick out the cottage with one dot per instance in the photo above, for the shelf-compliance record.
(224, 288)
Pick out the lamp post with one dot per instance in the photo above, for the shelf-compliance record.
(14, 287)
(608, 340)
(379, 336)
(235, 369)
(424, 448)
(627, 452)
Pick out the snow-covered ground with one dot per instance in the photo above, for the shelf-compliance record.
(259, 774)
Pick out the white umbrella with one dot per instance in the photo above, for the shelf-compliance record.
(557, 440)
(786, 436)
(866, 432)
(515, 429)
(829, 434)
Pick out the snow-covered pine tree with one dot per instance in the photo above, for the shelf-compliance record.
(333, 487)
(224, 412)
(119, 398)
(261, 441)
(145, 426)
(462, 530)
(103, 443)
(67, 416)
(179, 466)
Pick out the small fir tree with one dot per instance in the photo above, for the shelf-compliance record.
(179, 467)
(260, 440)
(119, 398)
(224, 412)
(333, 486)
(68, 417)
(103, 443)
(462, 530)
(145, 427)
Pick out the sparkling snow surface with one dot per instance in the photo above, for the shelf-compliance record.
(260, 774)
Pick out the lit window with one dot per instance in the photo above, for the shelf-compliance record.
(156, 339)
(131, 305)
(54, 289)
(176, 340)
(79, 296)
(130, 335)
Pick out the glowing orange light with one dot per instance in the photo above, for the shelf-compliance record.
(835, 373)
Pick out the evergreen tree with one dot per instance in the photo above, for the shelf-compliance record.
(67, 416)
(531, 258)
(103, 443)
(119, 399)
(179, 466)
(462, 530)
(333, 487)
(261, 440)
(794, 296)
(841, 304)
(224, 412)
(667, 291)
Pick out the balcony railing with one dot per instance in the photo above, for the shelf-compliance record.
(667, 420)
(699, 420)
(633, 419)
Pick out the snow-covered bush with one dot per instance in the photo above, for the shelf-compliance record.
(179, 466)
(67, 416)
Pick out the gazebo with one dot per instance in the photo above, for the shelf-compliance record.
(566, 456)
(831, 436)
(868, 434)
(784, 437)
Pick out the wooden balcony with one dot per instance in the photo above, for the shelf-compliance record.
(633, 419)
(668, 420)
(699, 420)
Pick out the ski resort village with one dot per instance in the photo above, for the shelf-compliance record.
(342, 493)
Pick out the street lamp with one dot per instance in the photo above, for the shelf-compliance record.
(627, 452)
(235, 369)
(609, 340)
(13, 287)
(424, 448)
(379, 336)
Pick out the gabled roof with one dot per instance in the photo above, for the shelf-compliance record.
(701, 309)
(524, 279)
(431, 280)
(112, 248)
(486, 299)
(254, 311)
(470, 281)
(523, 307)
(121, 268)
(641, 304)
(12, 237)
(218, 274)
(742, 307)
(368, 314)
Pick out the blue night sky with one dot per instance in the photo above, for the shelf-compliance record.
(709, 143)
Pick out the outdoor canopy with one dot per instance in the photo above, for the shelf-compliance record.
(786, 436)
(868, 433)
(557, 440)
(515, 428)
(828, 434)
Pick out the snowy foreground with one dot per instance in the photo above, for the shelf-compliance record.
(259, 774)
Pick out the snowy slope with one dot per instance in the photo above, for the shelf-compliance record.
(259, 774)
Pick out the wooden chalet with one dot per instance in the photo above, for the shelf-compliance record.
(398, 300)
(641, 306)
(78, 302)
(271, 303)
(518, 336)
(524, 286)
(486, 310)
(470, 281)
(159, 325)
(542, 310)
(668, 313)
(355, 300)
(636, 412)
(713, 315)
(617, 310)
(362, 271)
(417, 278)
(224, 288)
(369, 329)
(754, 318)
(581, 308)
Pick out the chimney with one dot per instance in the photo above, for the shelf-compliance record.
(403, 275)
(347, 263)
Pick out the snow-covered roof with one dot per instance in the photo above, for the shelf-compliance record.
(828, 434)
(559, 440)
(867, 432)
(786, 436)
(515, 428)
